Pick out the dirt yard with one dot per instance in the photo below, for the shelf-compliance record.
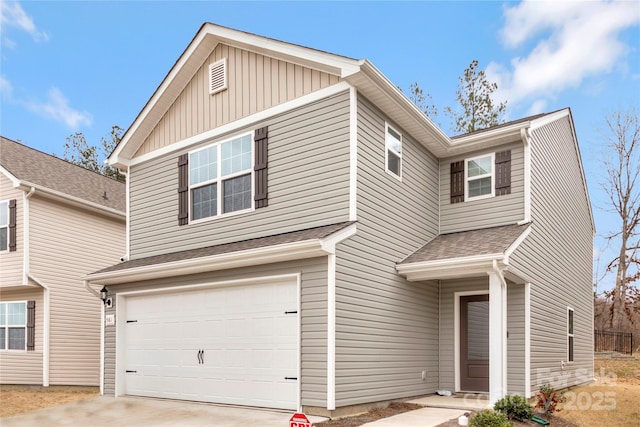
(15, 400)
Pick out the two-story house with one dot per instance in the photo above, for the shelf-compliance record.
(58, 222)
(301, 236)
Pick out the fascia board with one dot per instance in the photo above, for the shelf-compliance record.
(14, 181)
(549, 118)
(278, 253)
(516, 243)
(329, 243)
(487, 139)
(450, 267)
(71, 200)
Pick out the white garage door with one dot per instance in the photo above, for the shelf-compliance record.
(235, 345)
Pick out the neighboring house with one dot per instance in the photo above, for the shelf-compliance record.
(301, 236)
(58, 222)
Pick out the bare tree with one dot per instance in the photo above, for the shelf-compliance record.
(423, 101)
(622, 186)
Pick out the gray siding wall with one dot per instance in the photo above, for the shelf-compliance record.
(490, 212)
(386, 327)
(308, 185)
(448, 288)
(313, 322)
(515, 339)
(557, 256)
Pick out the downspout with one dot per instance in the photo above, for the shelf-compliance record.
(525, 136)
(503, 284)
(26, 267)
(102, 316)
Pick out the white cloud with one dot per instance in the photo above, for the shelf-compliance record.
(5, 87)
(12, 15)
(57, 108)
(576, 40)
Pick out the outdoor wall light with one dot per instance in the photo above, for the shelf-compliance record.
(103, 294)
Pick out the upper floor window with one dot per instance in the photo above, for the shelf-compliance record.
(479, 177)
(13, 325)
(220, 178)
(4, 226)
(393, 143)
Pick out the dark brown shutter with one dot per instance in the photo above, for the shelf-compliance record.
(457, 182)
(31, 325)
(503, 173)
(183, 189)
(12, 225)
(261, 140)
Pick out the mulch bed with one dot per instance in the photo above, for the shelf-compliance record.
(373, 415)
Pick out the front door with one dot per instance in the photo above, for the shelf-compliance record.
(474, 343)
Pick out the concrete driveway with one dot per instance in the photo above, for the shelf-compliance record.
(137, 412)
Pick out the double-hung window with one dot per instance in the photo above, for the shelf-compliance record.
(13, 325)
(479, 177)
(393, 143)
(220, 178)
(569, 334)
(4, 226)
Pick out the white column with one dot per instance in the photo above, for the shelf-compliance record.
(497, 341)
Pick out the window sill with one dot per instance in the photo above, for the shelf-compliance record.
(217, 217)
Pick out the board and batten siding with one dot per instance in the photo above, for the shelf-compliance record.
(386, 327)
(313, 322)
(255, 83)
(21, 366)
(68, 243)
(308, 185)
(11, 263)
(558, 257)
(489, 212)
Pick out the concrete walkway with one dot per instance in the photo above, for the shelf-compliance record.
(437, 410)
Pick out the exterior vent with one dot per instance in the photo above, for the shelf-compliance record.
(218, 76)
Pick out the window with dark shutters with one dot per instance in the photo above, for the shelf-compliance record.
(457, 182)
(261, 138)
(183, 189)
(12, 226)
(31, 325)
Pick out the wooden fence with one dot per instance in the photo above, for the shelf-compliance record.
(620, 342)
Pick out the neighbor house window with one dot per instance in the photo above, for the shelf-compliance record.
(479, 177)
(13, 325)
(4, 226)
(220, 178)
(393, 143)
(570, 334)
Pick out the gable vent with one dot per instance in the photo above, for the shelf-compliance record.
(218, 76)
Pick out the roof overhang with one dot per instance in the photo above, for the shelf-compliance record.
(310, 248)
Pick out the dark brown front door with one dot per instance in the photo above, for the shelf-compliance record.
(474, 343)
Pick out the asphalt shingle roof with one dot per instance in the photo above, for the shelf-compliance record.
(45, 170)
(468, 243)
(261, 242)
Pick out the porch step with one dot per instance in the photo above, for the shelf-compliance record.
(468, 402)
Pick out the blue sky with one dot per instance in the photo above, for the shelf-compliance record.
(85, 66)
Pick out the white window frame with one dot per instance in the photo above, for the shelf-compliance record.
(219, 180)
(3, 202)
(387, 126)
(571, 334)
(468, 198)
(7, 326)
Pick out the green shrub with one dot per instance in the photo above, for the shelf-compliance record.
(490, 418)
(515, 407)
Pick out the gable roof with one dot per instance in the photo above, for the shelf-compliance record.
(360, 73)
(28, 167)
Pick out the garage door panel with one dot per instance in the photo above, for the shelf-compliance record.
(250, 345)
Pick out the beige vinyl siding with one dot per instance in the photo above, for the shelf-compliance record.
(308, 185)
(255, 83)
(557, 256)
(313, 275)
(24, 367)
(386, 327)
(11, 273)
(66, 244)
(515, 339)
(448, 288)
(489, 212)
